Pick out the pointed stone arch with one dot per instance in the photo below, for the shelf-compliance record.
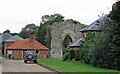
(59, 31)
(64, 41)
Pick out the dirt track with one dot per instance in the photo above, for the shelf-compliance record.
(20, 66)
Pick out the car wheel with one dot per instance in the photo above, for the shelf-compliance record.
(25, 61)
(35, 61)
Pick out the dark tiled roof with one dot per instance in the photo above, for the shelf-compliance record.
(95, 25)
(4, 37)
(27, 44)
(77, 43)
(14, 38)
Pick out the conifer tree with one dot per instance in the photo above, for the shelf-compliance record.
(107, 50)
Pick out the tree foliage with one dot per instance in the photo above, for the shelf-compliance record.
(6, 31)
(47, 20)
(104, 50)
(9, 32)
(13, 34)
(30, 28)
(48, 38)
(108, 46)
(87, 46)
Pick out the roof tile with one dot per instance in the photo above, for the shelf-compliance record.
(27, 44)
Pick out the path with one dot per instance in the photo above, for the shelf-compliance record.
(20, 66)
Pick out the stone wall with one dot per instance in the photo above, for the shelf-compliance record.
(59, 31)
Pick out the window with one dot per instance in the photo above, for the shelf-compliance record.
(37, 51)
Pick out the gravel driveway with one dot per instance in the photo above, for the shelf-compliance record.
(20, 66)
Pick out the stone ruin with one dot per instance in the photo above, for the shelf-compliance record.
(59, 31)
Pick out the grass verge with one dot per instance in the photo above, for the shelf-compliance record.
(75, 66)
(0, 61)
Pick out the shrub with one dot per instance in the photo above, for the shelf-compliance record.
(71, 54)
(87, 47)
(77, 55)
(107, 57)
(66, 56)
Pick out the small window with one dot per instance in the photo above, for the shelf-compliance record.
(37, 51)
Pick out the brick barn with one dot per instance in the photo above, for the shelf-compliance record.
(18, 48)
(9, 42)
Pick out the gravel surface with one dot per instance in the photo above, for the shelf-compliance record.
(0, 65)
(20, 66)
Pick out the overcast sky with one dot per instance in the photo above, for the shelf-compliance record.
(15, 14)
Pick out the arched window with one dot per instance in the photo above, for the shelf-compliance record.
(67, 41)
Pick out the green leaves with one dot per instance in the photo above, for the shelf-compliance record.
(47, 20)
(87, 47)
(107, 50)
(30, 28)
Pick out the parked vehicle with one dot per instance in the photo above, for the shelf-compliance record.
(30, 56)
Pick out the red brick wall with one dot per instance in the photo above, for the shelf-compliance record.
(18, 54)
(75, 47)
(42, 54)
(84, 34)
(7, 44)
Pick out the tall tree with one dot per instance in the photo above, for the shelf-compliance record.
(107, 50)
(6, 31)
(47, 20)
(14, 34)
(48, 39)
(30, 28)
(43, 34)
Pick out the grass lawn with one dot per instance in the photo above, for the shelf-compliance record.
(75, 66)
(0, 61)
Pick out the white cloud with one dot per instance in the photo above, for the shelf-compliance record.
(15, 14)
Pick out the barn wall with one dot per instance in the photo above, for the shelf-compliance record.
(7, 44)
(42, 54)
(84, 33)
(75, 47)
(18, 54)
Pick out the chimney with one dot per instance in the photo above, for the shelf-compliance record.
(32, 36)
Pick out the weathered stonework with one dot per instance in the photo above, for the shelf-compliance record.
(59, 32)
